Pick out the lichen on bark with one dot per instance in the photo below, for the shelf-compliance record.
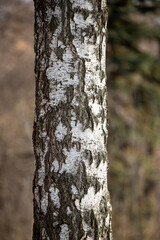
(71, 198)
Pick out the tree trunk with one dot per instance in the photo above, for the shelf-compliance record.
(71, 199)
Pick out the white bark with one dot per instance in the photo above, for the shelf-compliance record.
(70, 185)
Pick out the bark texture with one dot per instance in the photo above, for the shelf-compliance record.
(71, 199)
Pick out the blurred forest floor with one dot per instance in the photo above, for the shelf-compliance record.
(134, 118)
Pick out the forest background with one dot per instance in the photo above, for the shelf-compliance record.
(134, 118)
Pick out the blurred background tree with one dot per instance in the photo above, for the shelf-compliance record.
(16, 119)
(134, 102)
(134, 116)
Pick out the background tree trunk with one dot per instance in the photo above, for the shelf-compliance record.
(71, 199)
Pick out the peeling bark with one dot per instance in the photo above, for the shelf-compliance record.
(71, 198)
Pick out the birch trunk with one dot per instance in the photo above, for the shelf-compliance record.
(71, 199)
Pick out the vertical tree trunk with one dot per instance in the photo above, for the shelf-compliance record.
(71, 199)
